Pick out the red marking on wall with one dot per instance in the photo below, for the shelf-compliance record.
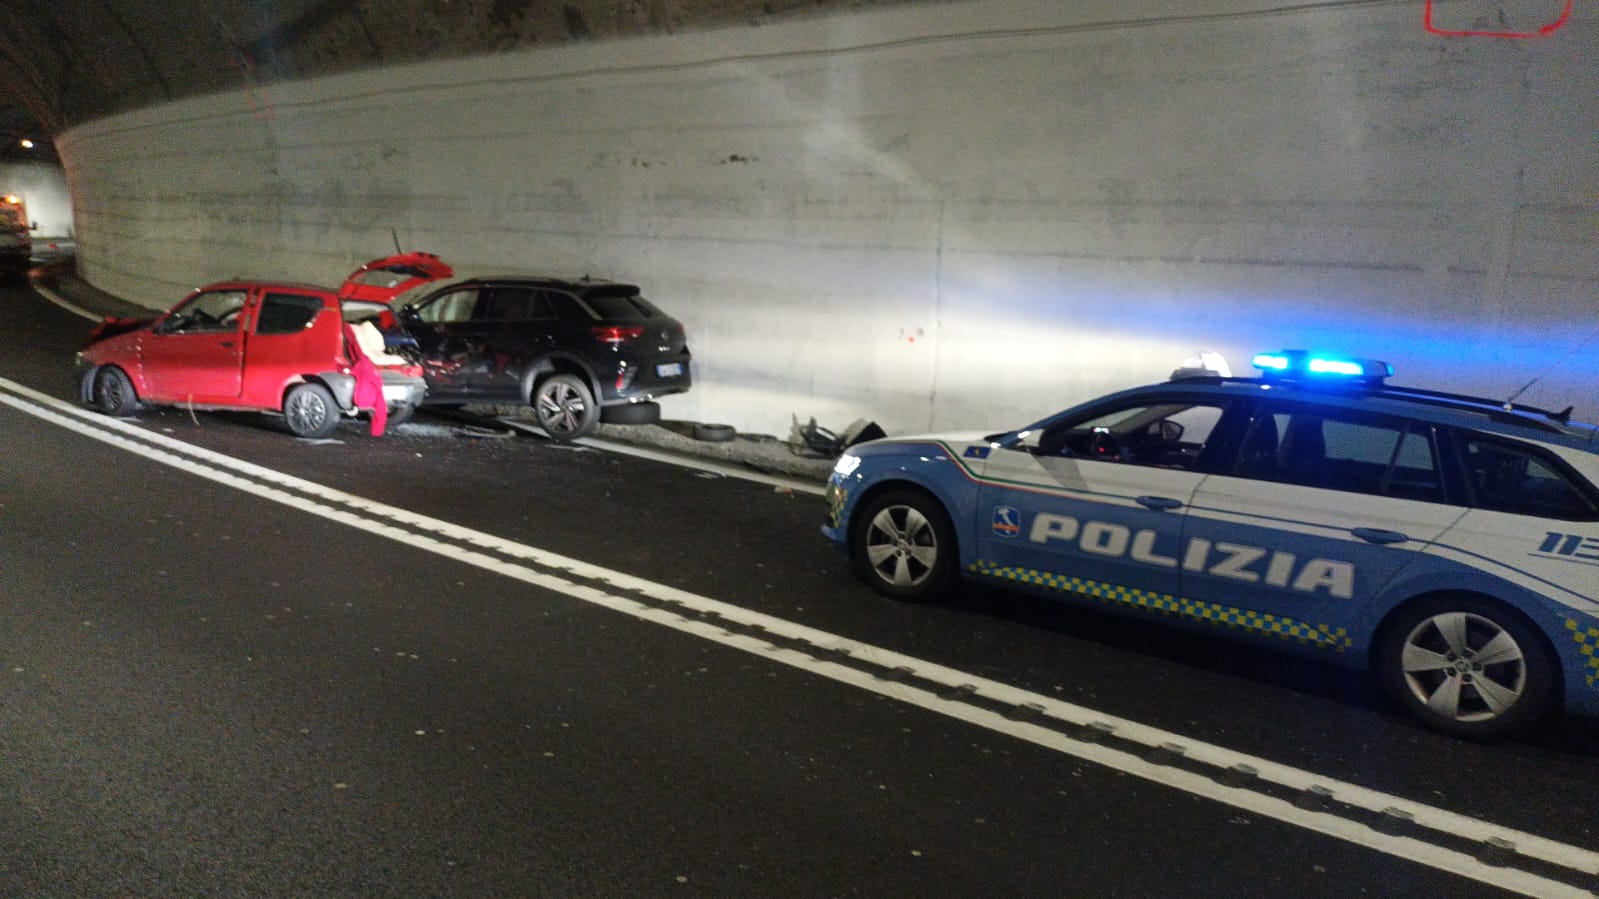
(255, 93)
(1541, 31)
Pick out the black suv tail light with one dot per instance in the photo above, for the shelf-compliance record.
(616, 335)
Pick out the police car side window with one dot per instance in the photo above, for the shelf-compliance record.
(1312, 448)
(1163, 434)
(1508, 478)
(1414, 473)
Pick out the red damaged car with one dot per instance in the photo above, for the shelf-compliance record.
(292, 349)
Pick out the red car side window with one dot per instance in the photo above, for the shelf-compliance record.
(284, 313)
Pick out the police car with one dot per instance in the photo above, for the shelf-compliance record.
(1449, 543)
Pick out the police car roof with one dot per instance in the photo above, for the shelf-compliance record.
(1459, 410)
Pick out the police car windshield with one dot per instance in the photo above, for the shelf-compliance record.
(1127, 420)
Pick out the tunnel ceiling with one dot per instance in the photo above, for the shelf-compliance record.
(65, 62)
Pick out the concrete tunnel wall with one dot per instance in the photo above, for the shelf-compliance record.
(961, 215)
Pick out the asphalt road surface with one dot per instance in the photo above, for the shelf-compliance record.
(233, 663)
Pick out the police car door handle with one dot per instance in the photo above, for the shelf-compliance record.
(1159, 503)
(1378, 535)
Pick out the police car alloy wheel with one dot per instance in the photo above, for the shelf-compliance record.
(1466, 667)
(904, 545)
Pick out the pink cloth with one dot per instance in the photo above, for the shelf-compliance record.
(368, 384)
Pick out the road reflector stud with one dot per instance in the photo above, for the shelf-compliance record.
(1315, 798)
(1095, 732)
(1497, 851)
(1239, 775)
(1393, 821)
(1165, 754)
(1027, 711)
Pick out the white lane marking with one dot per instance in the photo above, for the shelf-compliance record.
(403, 526)
(61, 301)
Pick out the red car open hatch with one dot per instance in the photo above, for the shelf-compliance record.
(381, 280)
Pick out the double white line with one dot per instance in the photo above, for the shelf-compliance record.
(1464, 846)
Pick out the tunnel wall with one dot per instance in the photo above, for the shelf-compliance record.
(963, 215)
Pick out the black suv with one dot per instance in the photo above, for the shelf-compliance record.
(569, 348)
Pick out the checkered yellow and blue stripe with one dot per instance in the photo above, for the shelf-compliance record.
(1587, 638)
(837, 497)
(1321, 635)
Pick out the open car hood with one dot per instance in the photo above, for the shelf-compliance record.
(381, 280)
(111, 326)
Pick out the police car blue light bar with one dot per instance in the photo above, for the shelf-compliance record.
(1302, 363)
(1336, 367)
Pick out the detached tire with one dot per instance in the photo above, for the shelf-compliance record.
(310, 411)
(714, 433)
(564, 407)
(904, 545)
(1467, 667)
(113, 393)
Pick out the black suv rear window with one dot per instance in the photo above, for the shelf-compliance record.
(519, 304)
(613, 305)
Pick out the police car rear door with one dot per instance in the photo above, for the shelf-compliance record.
(1534, 523)
(1321, 509)
(1094, 503)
